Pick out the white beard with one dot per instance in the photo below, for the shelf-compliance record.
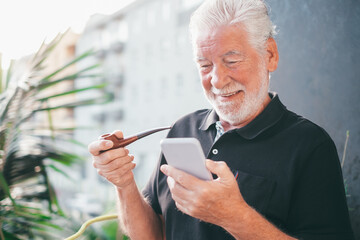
(236, 112)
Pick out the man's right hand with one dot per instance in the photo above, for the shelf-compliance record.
(115, 165)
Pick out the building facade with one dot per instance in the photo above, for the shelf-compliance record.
(146, 58)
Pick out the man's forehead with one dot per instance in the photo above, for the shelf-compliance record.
(201, 52)
(222, 41)
(233, 52)
(215, 32)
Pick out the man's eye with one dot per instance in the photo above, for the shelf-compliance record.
(205, 66)
(232, 62)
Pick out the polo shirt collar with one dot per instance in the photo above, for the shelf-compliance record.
(266, 119)
(210, 119)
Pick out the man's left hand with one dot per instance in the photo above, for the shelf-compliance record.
(211, 201)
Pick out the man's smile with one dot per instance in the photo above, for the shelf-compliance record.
(229, 94)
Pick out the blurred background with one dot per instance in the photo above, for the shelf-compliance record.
(145, 59)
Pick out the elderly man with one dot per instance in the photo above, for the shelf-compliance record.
(277, 174)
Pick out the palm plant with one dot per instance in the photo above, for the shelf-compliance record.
(28, 204)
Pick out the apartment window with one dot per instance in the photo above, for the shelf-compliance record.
(165, 47)
(119, 115)
(149, 53)
(123, 31)
(181, 41)
(164, 88)
(135, 94)
(97, 38)
(179, 84)
(151, 15)
(165, 10)
(148, 91)
(99, 117)
(166, 44)
(136, 21)
(105, 39)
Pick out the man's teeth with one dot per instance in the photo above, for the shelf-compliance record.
(229, 94)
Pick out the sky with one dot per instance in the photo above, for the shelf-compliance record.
(25, 24)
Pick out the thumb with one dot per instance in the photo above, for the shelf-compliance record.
(219, 168)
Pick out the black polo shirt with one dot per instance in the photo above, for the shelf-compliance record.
(288, 169)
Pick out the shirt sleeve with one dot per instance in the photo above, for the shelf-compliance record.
(319, 209)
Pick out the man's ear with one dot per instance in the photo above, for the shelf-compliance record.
(272, 55)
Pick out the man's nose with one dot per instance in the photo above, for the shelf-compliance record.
(219, 77)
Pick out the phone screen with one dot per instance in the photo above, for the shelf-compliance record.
(186, 154)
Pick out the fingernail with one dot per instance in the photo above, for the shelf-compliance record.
(108, 144)
(163, 168)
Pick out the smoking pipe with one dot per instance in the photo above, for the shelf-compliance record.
(122, 142)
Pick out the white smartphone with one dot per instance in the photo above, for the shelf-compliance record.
(186, 154)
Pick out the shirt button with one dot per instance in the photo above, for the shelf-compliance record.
(215, 151)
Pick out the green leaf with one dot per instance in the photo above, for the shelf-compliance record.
(9, 235)
(66, 159)
(56, 169)
(93, 101)
(1, 75)
(40, 223)
(53, 198)
(82, 56)
(25, 208)
(32, 215)
(8, 74)
(77, 143)
(6, 189)
(31, 130)
(5, 104)
(98, 86)
(45, 49)
(46, 84)
(110, 229)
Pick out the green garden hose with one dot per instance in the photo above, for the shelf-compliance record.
(89, 222)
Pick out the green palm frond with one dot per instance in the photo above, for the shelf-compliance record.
(79, 58)
(26, 150)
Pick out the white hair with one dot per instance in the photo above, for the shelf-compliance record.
(252, 14)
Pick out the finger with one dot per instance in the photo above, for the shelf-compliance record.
(219, 168)
(115, 164)
(118, 173)
(177, 189)
(186, 180)
(125, 169)
(183, 205)
(99, 145)
(178, 193)
(108, 156)
(118, 133)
